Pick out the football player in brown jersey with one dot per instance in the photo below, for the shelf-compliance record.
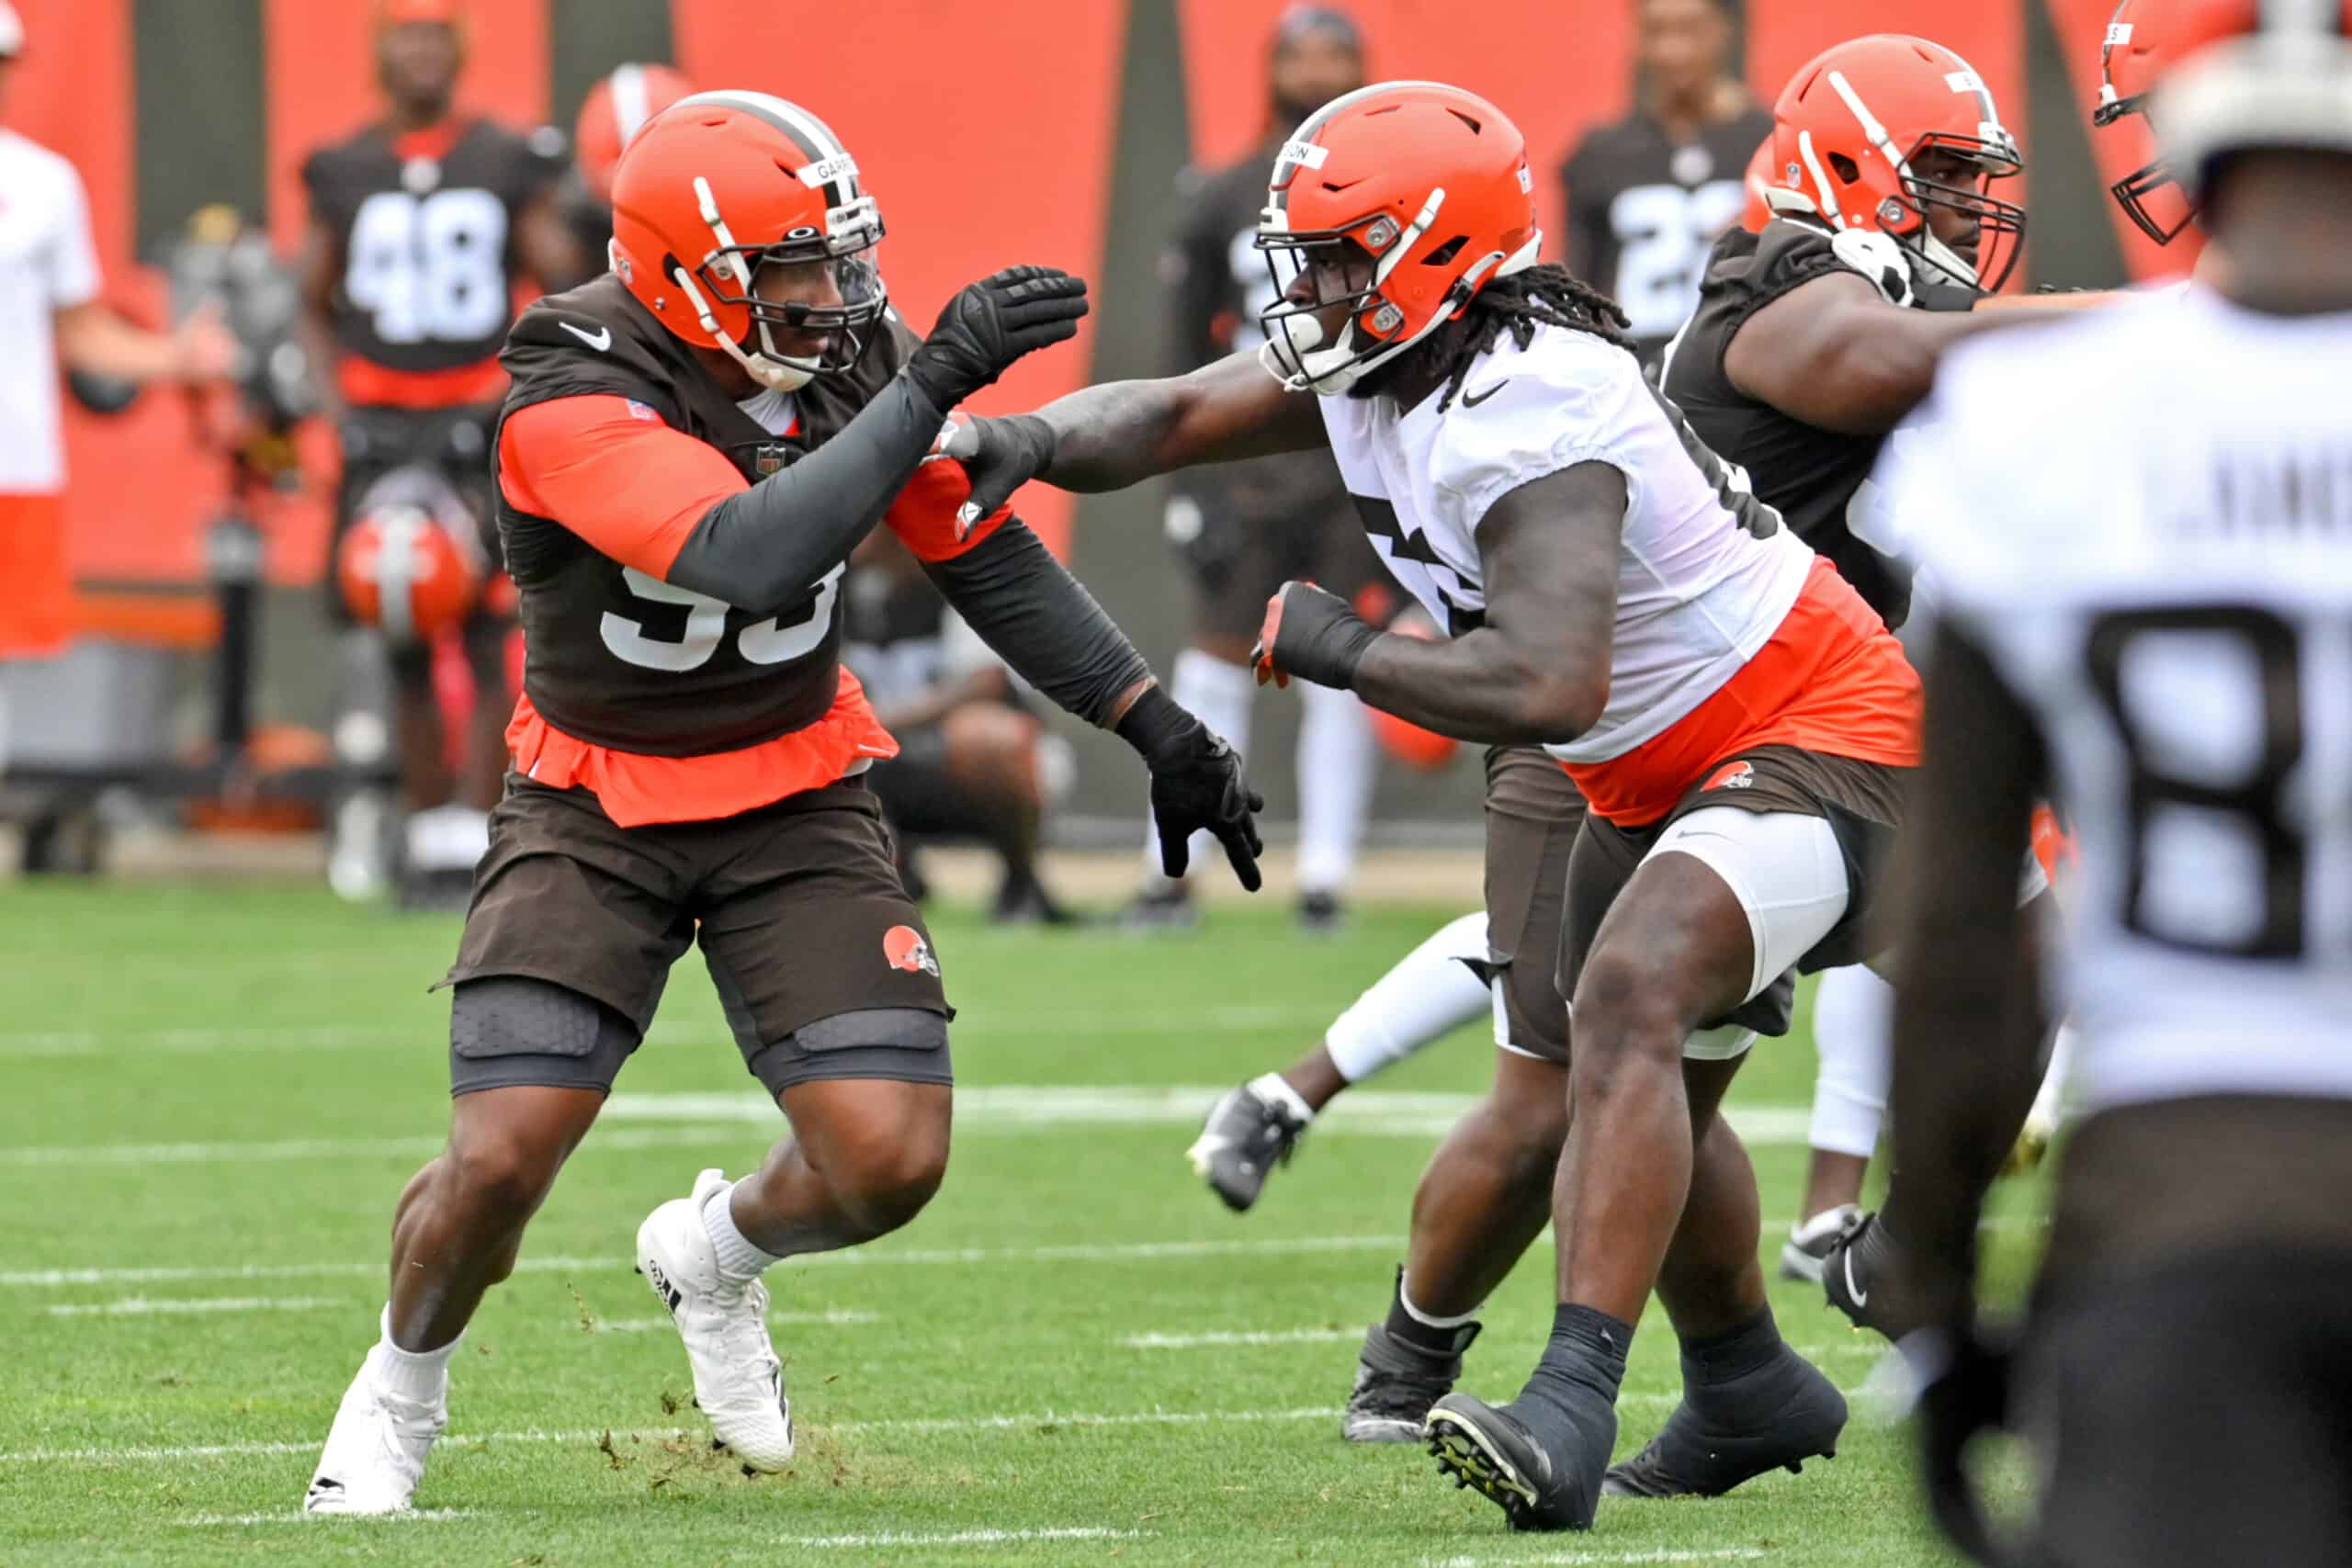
(691, 447)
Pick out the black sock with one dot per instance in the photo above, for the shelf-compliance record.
(1429, 1339)
(1583, 1364)
(1721, 1358)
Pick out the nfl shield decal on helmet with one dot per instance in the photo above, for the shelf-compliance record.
(1731, 775)
(905, 948)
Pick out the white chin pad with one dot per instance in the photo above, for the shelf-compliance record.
(1320, 369)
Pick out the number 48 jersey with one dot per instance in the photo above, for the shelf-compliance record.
(2163, 578)
(426, 224)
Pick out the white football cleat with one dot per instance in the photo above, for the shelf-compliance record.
(739, 1382)
(376, 1449)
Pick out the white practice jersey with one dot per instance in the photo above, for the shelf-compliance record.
(1706, 574)
(2144, 515)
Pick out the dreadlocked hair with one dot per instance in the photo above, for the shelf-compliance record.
(1547, 295)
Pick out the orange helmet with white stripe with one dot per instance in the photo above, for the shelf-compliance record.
(1757, 183)
(2241, 75)
(1861, 134)
(616, 109)
(721, 185)
(1399, 202)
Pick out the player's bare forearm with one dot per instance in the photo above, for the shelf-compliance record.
(1485, 686)
(1835, 353)
(1120, 432)
(1967, 1014)
(1537, 670)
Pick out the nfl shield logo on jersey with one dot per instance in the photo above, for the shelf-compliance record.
(905, 948)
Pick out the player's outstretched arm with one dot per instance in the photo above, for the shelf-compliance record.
(1850, 355)
(1537, 671)
(1121, 432)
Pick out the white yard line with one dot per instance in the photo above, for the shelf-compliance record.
(963, 1538)
(713, 1117)
(144, 1307)
(864, 1256)
(431, 1032)
(1030, 1422)
(296, 1516)
(1249, 1337)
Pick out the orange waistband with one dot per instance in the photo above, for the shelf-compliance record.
(1832, 679)
(636, 790)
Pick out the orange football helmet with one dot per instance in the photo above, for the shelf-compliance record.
(617, 107)
(406, 571)
(1851, 124)
(1400, 201)
(717, 186)
(2233, 75)
(412, 561)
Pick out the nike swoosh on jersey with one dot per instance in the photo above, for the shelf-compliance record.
(1471, 400)
(599, 339)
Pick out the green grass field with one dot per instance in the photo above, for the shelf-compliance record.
(1075, 1356)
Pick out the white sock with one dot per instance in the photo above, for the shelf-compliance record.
(1276, 1087)
(1335, 779)
(2049, 1102)
(740, 1260)
(1430, 992)
(1850, 1019)
(420, 1377)
(1405, 1300)
(1219, 695)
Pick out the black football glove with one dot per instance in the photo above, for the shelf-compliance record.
(999, 455)
(1312, 635)
(1196, 782)
(989, 324)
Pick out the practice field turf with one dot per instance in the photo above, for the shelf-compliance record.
(1076, 1356)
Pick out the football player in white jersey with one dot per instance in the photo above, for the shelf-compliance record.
(1738, 720)
(2177, 669)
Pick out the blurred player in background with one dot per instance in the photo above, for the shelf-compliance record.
(1814, 336)
(973, 763)
(50, 312)
(614, 109)
(687, 454)
(1647, 195)
(2145, 610)
(1242, 528)
(420, 227)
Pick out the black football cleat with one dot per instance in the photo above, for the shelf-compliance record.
(1396, 1383)
(1490, 1447)
(1774, 1418)
(1858, 1275)
(1243, 1137)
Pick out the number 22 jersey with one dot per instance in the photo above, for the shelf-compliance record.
(1730, 633)
(2144, 516)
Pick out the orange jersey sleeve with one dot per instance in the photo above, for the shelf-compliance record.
(610, 470)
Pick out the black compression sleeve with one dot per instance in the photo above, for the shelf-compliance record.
(1041, 621)
(763, 548)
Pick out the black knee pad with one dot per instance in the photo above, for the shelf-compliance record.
(905, 1044)
(507, 1030)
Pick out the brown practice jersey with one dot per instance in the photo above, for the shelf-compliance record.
(1815, 478)
(1643, 212)
(616, 656)
(427, 223)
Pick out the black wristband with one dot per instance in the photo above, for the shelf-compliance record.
(1156, 724)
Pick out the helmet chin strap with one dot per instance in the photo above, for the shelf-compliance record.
(778, 373)
(1941, 257)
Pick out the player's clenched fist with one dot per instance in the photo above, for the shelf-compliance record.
(1312, 635)
(989, 324)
